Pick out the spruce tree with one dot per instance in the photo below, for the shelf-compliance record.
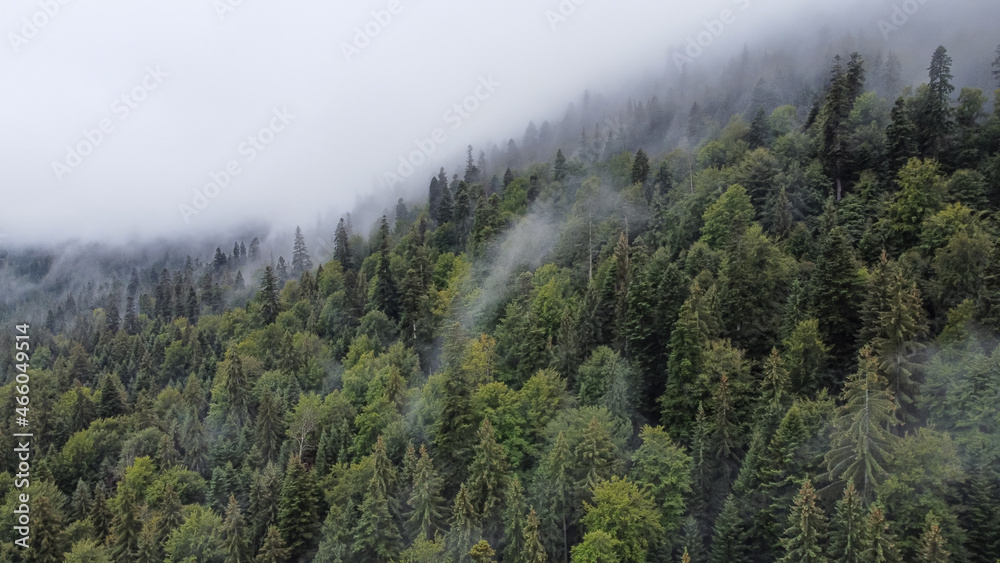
(515, 514)
(298, 519)
(934, 117)
(727, 538)
(426, 502)
(487, 478)
(126, 526)
(268, 296)
(596, 458)
(234, 535)
(465, 530)
(806, 529)
(901, 138)
(640, 168)
(860, 444)
(879, 544)
(301, 262)
(100, 515)
(834, 294)
(274, 549)
(932, 542)
(533, 552)
(385, 295)
(849, 529)
(559, 489)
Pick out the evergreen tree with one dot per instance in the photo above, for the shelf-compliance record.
(234, 535)
(126, 525)
(268, 429)
(465, 530)
(273, 550)
(426, 502)
(268, 296)
(111, 402)
(640, 167)
(559, 490)
(932, 542)
(515, 514)
(760, 130)
(861, 442)
(298, 520)
(834, 290)
(100, 515)
(596, 458)
(934, 117)
(849, 529)
(385, 296)
(533, 551)
(806, 529)
(487, 478)
(727, 538)
(879, 544)
(301, 262)
(559, 170)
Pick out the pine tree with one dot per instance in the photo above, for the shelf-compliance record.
(80, 502)
(265, 498)
(273, 550)
(596, 458)
(465, 530)
(932, 542)
(861, 442)
(434, 197)
(426, 502)
(901, 138)
(514, 519)
(806, 529)
(834, 290)
(640, 167)
(100, 515)
(385, 295)
(237, 390)
(126, 526)
(301, 262)
(533, 550)
(297, 510)
(760, 131)
(879, 544)
(268, 296)
(269, 427)
(171, 512)
(111, 402)
(727, 538)
(487, 478)
(560, 490)
(934, 118)
(234, 535)
(849, 529)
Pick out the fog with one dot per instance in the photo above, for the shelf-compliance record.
(117, 115)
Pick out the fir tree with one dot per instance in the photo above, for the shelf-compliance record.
(727, 538)
(301, 262)
(487, 478)
(268, 296)
(640, 167)
(385, 296)
(533, 550)
(234, 536)
(273, 550)
(806, 529)
(515, 514)
(861, 442)
(465, 528)
(297, 510)
(848, 532)
(932, 542)
(879, 544)
(426, 502)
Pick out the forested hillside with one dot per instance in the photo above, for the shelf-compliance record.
(766, 338)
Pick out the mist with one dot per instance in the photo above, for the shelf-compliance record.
(134, 121)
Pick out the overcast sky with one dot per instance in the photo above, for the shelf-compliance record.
(180, 88)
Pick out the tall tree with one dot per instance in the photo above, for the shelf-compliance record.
(465, 530)
(849, 529)
(298, 519)
(427, 506)
(932, 542)
(861, 442)
(515, 514)
(268, 296)
(274, 549)
(934, 117)
(384, 294)
(301, 262)
(234, 534)
(806, 529)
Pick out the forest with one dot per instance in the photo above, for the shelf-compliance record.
(776, 341)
